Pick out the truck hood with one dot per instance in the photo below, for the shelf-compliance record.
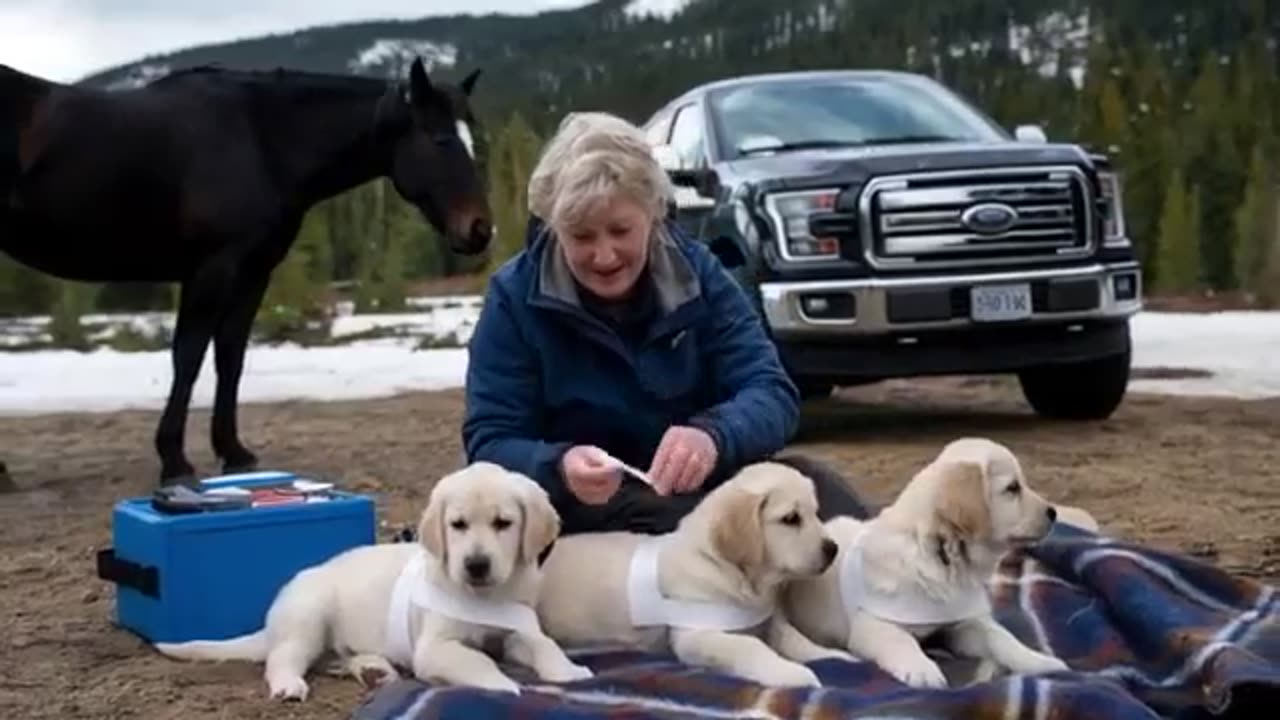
(848, 166)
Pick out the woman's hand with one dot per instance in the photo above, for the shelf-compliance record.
(685, 457)
(589, 474)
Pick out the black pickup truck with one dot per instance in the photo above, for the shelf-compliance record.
(888, 228)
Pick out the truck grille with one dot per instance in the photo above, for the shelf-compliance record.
(968, 218)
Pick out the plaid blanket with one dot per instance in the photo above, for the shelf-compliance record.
(1147, 634)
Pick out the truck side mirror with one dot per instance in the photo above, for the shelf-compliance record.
(1030, 134)
(704, 181)
(668, 159)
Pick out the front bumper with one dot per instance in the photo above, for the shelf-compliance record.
(829, 309)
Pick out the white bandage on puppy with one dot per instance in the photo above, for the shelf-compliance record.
(650, 607)
(908, 605)
(412, 588)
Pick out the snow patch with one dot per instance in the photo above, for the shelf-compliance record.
(662, 9)
(139, 75)
(1056, 40)
(394, 55)
(1237, 349)
(106, 380)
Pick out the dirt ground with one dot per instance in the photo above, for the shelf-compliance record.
(1194, 475)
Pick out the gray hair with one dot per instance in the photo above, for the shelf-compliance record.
(594, 156)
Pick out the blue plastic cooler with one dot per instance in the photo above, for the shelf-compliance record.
(212, 575)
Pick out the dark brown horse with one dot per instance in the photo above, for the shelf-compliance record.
(203, 177)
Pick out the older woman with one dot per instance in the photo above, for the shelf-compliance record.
(612, 336)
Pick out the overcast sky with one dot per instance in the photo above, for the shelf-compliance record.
(68, 39)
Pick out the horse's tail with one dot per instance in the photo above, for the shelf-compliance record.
(246, 647)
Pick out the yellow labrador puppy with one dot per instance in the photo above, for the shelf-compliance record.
(921, 566)
(706, 591)
(426, 607)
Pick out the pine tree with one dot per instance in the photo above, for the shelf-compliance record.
(73, 300)
(25, 291)
(296, 304)
(1099, 60)
(1217, 170)
(1268, 294)
(514, 153)
(392, 285)
(1113, 120)
(1255, 223)
(1146, 165)
(367, 245)
(1179, 258)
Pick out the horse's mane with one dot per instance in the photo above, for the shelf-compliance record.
(279, 77)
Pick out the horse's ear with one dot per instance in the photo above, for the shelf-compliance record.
(419, 83)
(469, 81)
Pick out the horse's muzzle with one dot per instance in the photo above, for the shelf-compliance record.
(476, 238)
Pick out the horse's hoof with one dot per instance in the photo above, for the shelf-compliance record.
(7, 485)
(232, 469)
(241, 462)
(189, 479)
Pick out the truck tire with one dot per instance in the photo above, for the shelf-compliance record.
(1088, 390)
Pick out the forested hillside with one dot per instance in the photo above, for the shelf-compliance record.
(1184, 95)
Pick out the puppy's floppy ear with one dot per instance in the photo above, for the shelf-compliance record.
(541, 523)
(431, 529)
(961, 509)
(737, 534)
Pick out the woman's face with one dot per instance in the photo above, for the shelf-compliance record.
(608, 249)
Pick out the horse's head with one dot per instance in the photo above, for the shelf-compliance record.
(433, 161)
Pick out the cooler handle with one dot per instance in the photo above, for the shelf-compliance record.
(143, 578)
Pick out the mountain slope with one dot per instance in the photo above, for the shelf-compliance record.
(629, 55)
(519, 53)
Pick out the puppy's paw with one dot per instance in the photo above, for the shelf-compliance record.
(917, 672)
(567, 672)
(986, 671)
(794, 675)
(288, 688)
(1039, 663)
(372, 671)
(833, 654)
(497, 683)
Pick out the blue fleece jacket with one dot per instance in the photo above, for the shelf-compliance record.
(545, 372)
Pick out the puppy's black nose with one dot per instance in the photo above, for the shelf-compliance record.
(829, 550)
(1052, 512)
(477, 567)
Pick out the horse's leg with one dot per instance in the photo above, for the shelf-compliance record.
(200, 307)
(229, 345)
(6, 481)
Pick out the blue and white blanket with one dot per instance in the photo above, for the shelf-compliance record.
(1147, 634)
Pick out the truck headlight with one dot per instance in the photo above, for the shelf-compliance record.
(790, 212)
(1113, 229)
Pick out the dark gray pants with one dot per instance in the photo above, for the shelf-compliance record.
(637, 508)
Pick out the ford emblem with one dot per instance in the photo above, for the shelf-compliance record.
(989, 218)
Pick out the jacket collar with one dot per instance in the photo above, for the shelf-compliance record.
(675, 283)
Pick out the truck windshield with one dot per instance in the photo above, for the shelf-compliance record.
(785, 115)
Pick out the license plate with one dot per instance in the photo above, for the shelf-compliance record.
(995, 303)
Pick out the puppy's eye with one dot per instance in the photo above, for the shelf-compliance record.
(501, 524)
(1013, 488)
(792, 518)
(458, 524)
